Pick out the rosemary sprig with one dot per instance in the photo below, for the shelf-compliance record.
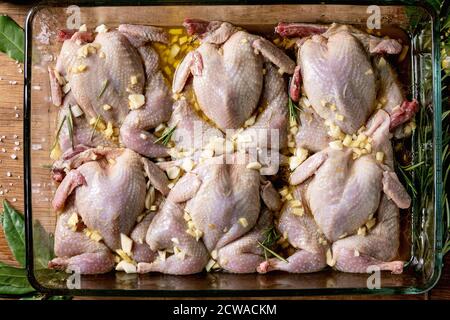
(94, 127)
(276, 255)
(271, 236)
(70, 125)
(293, 108)
(166, 136)
(58, 132)
(102, 90)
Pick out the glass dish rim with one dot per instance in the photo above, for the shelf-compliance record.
(437, 143)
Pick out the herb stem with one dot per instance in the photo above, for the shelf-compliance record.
(276, 255)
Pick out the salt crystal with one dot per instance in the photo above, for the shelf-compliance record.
(16, 107)
(17, 143)
(37, 88)
(16, 115)
(15, 136)
(10, 184)
(20, 70)
(1, 192)
(14, 156)
(14, 199)
(3, 150)
(16, 148)
(36, 146)
(8, 174)
(14, 82)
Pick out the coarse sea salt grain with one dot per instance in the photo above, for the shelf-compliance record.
(36, 146)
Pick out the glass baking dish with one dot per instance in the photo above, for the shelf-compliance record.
(422, 225)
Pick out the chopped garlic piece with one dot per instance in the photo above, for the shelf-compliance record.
(379, 156)
(109, 131)
(361, 138)
(72, 222)
(295, 203)
(187, 216)
(133, 80)
(294, 162)
(362, 231)
(330, 260)
(175, 240)
(250, 121)
(81, 68)
(173, 172)
(76, 111)
(347, 140)
(136, 101)
(369, 71)
(207, 154)
(209, 265)
(124, 256)
(82, 28)
(106, 107)
(284, 192)
(66, 88)
(339, 117)
(371, 223)
(126, 243)
(126, 266)
(162, 255)
(175, 31)
(188, 164)
(336, 145)
(243, 221)
(160, 128)
(198, 234)
(356, 253)
(254, 165)
(298, 211)
(214, 254)
(293, 130)
(101, 29)
(95, 235)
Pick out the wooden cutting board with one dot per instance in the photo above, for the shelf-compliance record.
(11, 170)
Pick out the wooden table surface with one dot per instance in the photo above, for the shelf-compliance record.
(11, 126)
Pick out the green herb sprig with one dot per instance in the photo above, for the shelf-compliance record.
(58, 133)
(166, 136)
(102, 90)
(271, 236)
